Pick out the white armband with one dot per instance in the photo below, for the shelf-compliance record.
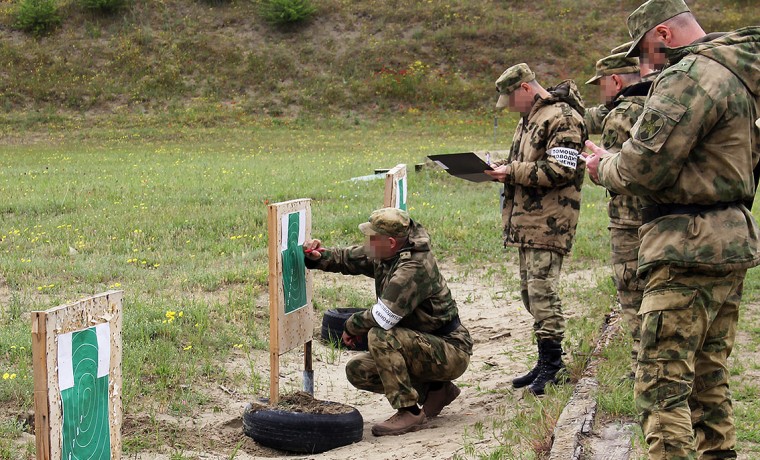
(383, 315)
(565, 156)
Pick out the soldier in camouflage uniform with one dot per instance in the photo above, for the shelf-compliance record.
(542, 195)
(417, 345)
(690, 157)
(624, 95)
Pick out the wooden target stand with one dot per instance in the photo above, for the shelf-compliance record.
(290, 289)
(76, 354)
(396, 188)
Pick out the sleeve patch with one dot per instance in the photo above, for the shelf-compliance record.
(565, 156)
(383, 315)
(651, 124)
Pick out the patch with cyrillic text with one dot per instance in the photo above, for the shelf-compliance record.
(565, 156)
(383, 315)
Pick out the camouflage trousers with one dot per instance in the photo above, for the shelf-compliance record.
(624, 243)
(539, 275)
(401, 362)
(681, 391)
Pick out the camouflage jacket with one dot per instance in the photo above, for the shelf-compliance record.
(410, 290)
(696, 144)
(542, 193)
(624, 210)
(594, 117)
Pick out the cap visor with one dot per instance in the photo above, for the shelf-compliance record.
(366, 228)
(503, 101)
(634, 51)
(594, 80)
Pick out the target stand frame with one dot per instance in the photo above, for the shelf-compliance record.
(47, 327)
(396, 187)
(288, 330)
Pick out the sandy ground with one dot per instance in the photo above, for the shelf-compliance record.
(501, 329)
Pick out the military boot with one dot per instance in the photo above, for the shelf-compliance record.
(551, 369)
(527, 379)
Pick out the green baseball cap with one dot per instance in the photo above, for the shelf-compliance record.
(510, 80)
(614, 64)
(649, 15)
(387, 221)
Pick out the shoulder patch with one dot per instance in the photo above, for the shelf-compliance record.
(651, 124)
(682, 66)
(406, 255)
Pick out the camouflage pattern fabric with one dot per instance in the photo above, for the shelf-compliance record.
(539, 277)
(410, 288)
(594, 117)
(681, 391)
(624, 243)
(409, 285)
(624, 210)
(706, 100)
(702, 103)
(401, 361)
(542, 193)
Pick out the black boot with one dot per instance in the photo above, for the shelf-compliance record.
(550, 365)
(527, 379)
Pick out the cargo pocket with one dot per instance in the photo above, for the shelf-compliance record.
(667, 325)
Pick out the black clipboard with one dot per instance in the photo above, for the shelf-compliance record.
(467, 166)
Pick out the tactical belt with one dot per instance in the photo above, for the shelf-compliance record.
(652, 212)
(448, 328)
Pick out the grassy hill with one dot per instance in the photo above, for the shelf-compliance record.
(209, 61)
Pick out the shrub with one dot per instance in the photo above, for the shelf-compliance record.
(37, 16)
(102, 5)
(286, 12)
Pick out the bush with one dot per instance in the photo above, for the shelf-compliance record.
(37, 16)
(286, 12)
(102, 5)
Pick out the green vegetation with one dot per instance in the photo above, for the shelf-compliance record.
(286, 12)
(351, 59)
(37, 16)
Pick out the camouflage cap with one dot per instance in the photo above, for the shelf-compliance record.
(510, 80)
(614, 64)
(620, 48)
(649, 15)
(387, 221)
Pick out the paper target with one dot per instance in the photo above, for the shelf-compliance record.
(293, 266)
(83, 368)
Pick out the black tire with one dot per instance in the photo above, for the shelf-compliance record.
(333, 324)
(303, 432)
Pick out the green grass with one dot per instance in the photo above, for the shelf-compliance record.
(176, 217)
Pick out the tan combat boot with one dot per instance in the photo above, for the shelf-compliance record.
(401, 422)
(438, 399)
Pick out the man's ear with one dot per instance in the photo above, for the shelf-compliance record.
(664, 33)
(525, 86)
(393, 241)
(617, 81)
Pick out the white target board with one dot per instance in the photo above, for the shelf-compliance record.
(76, 349)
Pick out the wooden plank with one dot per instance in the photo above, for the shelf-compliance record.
(275, 275)
(391, 177)
(39, 364)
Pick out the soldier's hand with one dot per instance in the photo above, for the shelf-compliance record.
(348, 339)
(313, 249)
(499, 173)
(592, 160)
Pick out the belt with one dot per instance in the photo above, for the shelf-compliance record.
(652, 212)
(448, 328)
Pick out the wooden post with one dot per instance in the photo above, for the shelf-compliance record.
(287, 329)
(396, 188)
